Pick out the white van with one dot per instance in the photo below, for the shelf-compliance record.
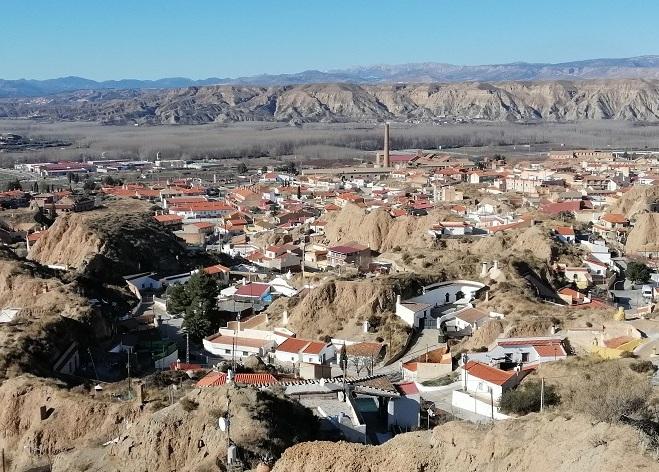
(647, 290)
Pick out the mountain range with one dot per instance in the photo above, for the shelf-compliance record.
(516, 101)
(419, 73)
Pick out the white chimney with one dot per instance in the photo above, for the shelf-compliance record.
(397, 299)
(483, 269)
(496, 265)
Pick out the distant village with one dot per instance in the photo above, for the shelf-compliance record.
(268, 227)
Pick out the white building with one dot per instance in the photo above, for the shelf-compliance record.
(417, 311)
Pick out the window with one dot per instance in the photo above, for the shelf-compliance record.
(525, 357)
(227, 351)
(245, 353)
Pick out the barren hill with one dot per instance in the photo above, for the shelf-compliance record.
(644, 237)
(639, 199)
(564, 100)
(54, 310)
(531, 444)
(110, 242)
(182, 437)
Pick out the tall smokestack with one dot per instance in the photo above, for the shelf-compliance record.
(386, 145)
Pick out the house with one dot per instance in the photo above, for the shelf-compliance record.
(403, 411)
(611, 225)
(219, 271)
(523, 352)
(143, 281)
(451, 228)
(565, 234)
(173, 222)
(254, 292)
(196, 210)
(349, 254)
(229, 346)
(467, 320)
(579, 275)
(364, 356)
(479, 378)
(303, 350)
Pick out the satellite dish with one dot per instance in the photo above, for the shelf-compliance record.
(223, 423)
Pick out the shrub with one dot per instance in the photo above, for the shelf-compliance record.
(526, 398)
(628, 355)
(643, 367)
(480, 349)
(610, 393)
(188, 405)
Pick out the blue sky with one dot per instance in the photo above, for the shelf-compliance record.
(148, 39)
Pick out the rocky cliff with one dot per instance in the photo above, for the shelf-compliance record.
(564, 100)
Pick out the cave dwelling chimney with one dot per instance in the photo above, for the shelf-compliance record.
(483, 269)
(398, 299)
(387, 163)
(284, 318)
(496, 265)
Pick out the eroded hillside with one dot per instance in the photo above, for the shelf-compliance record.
(565, 100)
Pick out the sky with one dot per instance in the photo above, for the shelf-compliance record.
(149, 39)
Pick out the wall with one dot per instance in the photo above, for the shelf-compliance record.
(403, 412)
(466, 402)
(166, 361)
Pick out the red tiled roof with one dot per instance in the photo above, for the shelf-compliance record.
(615, 218)
(293, 345)
(407, 388)
(254, 289)
(314, 347)
(565, 230)
(215, 379)
(487, 373)
(167, 218)
(216, 269)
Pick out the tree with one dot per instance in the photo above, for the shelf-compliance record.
(89, 185)
(264, 169)
(111, 181)
(197, 300)
(638, 272)
(242, 168)
(299, 192)
(13, 185)
(343, 359)
(566, 216)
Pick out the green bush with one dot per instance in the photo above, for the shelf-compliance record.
(643, 367)
(187, 404)
(526, 398)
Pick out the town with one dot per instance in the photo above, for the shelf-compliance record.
(395, 295)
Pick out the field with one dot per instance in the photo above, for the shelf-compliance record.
(319, 143)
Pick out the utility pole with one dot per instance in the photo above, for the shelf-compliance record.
(492, 403)
(187, 347)
(129, 392)
(93, 365)
(542, 394)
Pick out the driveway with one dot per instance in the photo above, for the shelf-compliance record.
(442, 400)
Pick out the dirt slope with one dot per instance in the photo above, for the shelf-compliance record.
(378, 229)
(188, 439)
(117, 240)
(637, 200)
(645, 234)
(532, 444)
(55, 309)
